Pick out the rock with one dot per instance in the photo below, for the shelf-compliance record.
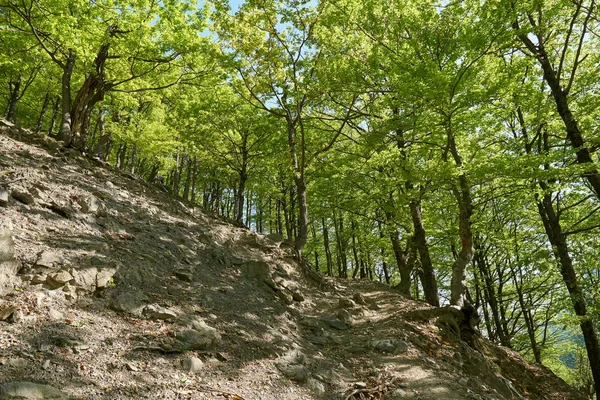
(3, 196)
(198, 334)
(194, 340)
(184, 275)
(393, 346)
(38, 278)
(104, 277)
(359, 298)
(294, 372)
(297, 295)
(316, 387)
(7, 245)
(22, 196)
(17, 362)
(154, 311)
(89, 204)
(287, 299)
(109, 185)
(5, 313)
(346, 303)
(85, 277)
(59, 279)
(463, 381)
(64, 210)
(49, 259)
(193, 365)
(257, 269)
(30, 390)
(345, 316)
(55, 315)
(338, 324)
(130, 303)
(235, 260)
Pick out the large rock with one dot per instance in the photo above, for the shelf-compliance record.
(89, 204)
(84, 277)
(130, 303)
(30, 390)
(7, 245)
(196, 334)
(59, 279)
(22, 196)
(49, 259)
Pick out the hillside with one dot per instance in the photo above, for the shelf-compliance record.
(116, 290)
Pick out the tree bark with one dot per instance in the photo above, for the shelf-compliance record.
(64, 133)
(15, 94)
(428, 273)
(55, 111)
(327, 248)
(40, 121)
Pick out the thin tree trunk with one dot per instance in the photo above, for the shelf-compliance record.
(55, 111)
(40, 121)
(327, 248)
(428, 273)
(64, 133)
(14, 98)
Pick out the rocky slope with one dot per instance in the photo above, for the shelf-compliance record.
(111, 289)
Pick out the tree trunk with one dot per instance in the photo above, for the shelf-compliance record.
(558, 241)
(64, 133)
(194, 181)
(40, 121)
(55, 111)
(14, 98)
(327, 248)
(428, 273)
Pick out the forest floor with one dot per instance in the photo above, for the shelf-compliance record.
(123, 292)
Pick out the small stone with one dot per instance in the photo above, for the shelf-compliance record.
(5, 313)
(89, 204)
(316, 387)
(298, 296)
(346, 303)
(30, 390)
(39, 278)
(463, 381)
(59, 279)
(131, 367)
(130, 302)
(287, 299)
(294, 372)
(55, 315)
(337, 324)
(109, 185)
(193, 365)
(397, 394)
(184, 275)
(3, 196)
(46, 365)
(360, 385)
(157, 312)
(23, 197)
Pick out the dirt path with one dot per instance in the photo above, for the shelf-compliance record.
(125, 293)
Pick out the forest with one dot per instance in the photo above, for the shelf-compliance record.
(446, 148)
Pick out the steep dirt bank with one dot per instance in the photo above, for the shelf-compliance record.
(122, 292)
